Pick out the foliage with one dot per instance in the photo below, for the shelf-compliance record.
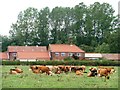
(104, 48)
(4, 42)
(68, 59)
(66, 62)
(87, 48)
(86, 26)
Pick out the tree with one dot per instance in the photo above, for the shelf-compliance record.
(23, 31)
(103, 48)
(60, 23)
(4, 42)
(42, 32)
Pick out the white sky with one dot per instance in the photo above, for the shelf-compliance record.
(9, 9)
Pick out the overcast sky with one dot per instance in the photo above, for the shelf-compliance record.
(9, 9)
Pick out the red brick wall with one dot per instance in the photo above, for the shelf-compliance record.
(59, 57)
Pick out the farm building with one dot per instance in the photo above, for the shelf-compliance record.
(54, 52)
(30, 53)
(4, 56)
(111, 56)
(93, 55)
(61, 51)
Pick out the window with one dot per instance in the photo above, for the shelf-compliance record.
(14, 54)
(78, 54)
(62, 54)
(70, 54)
(56, 54)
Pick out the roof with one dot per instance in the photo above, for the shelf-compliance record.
(27, 48)
(64, 48)
(3, 55)
(93, 55)
(111, 56)
(33, 55)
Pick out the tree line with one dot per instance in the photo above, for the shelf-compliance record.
(93, 28)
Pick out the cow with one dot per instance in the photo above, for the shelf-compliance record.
(93, 72)
(63, 68)
(15, 70)
(103, 72)
(12, 71)
(18, 70)
(78, 72)
(41, 69)
(81, 68)
(110, 70)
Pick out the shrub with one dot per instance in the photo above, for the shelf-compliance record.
(68, 59)
(70, 62)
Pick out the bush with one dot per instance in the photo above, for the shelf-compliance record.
(68, 59)
(10, 62)
(70, 62)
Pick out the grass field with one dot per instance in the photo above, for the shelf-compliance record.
(30, 80)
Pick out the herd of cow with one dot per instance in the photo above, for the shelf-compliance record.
(79, 70)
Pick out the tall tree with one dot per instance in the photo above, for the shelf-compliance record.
(23, 30)
(42, 32)
(4, 42)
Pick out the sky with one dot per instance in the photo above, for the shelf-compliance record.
(9, 9)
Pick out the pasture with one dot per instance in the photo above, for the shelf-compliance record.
(30, 80)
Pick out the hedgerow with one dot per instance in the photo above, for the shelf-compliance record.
(61, 62)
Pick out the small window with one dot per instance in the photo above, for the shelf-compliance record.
(56, 54)
(62, 54)
(70, 54)
(14, 54)
(78, 54)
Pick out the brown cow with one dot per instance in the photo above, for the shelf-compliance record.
(12, 71)
(93, 72)
(75, 68)
(18, 70)
(40, 69)
(15, 71)
(103, 72)
(78, 72)
(63, 68)
(110, 70)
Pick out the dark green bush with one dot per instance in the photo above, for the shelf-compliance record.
(68, 59)
(7, 62)
(70, 62)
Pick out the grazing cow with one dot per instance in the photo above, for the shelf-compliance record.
(110, 70)
(93, 72)
(78, 72)
(103, 72)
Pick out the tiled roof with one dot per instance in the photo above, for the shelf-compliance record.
(27, 49)
(33, 55)
(3, 55)
(64, 48)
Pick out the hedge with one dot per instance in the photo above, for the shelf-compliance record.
(71, 62)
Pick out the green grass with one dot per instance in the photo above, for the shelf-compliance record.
(30, 80)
